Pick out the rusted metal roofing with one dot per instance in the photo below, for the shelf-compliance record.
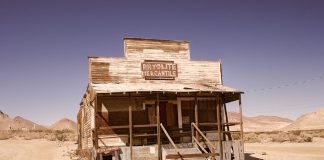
(153, 87)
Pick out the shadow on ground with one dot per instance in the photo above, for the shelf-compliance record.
(249, 157)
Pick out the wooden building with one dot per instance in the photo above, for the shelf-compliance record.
(157, 103)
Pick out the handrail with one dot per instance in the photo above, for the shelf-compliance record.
(210, 145)
(170, 140)
(197, 142)
(168, 136)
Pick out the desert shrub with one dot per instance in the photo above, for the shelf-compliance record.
(5, 135)
(280, 137)
(251, 138)
(60, 136)
(236, 135)
(305, 137)
(296, 133)
(293, 137)
(264, 138)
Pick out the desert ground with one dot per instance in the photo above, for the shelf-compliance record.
(284, 151)
(56, 150)
(58, 142)
(37, 149)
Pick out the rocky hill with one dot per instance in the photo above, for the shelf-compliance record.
(64, 124)
(17, 123)
(259, 123)
(308, 121)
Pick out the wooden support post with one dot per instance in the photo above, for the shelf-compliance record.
(158, 126)
(241, 120)
(179, 117)
(196, 116)
(95, 134)
(130, 119)
(219, 127)
(95, 123)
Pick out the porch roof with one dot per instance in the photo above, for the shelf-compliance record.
(158, 87)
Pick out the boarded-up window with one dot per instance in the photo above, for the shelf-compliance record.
(119, 118)
(188, 111)
(207, 111)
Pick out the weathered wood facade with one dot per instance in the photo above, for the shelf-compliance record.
(156, 103)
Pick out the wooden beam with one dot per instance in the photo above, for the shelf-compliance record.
(130, 119)
(179, 113)
(168, 136)
(196, 116)
(219, 128)
(197, 155)
(95, 123)
(241, 120)
(158, 126)
(210, 144)
(200, 146)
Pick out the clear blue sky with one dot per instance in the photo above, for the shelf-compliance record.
(263, 45)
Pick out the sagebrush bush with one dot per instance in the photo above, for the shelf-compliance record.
(283, 136)
(65, 135)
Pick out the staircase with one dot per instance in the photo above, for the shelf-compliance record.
(192, 151)
(181, 153)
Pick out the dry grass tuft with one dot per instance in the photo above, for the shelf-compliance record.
(298, 136)
(65, 135)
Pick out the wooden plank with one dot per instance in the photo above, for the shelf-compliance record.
(95, 125)
(168, 136)
(197, 155)
(130, 118)
(114, 127)
(179, 114)
(236, 150)
(212, 147)
(241, 120)
(158, 126)
(144, 125)
(200, 146)
(227, 148)
(112, 136)
(219, 128)
(145, 135)
(196, 116)
(124, 70)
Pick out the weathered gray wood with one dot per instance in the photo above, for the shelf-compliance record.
(227, 149)
(238, 150)
(122, 70)
(210, 145)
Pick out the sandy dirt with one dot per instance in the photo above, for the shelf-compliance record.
(285, 151)
(37, 149)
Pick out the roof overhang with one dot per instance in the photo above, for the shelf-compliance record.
(158, 87)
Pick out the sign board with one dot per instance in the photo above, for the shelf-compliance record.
(159, 70)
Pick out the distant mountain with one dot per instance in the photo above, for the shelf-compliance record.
(259, 123)
(17, 123)
(64, 124)
(308, 121)
(3, 116)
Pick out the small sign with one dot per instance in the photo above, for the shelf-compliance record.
(159, 70)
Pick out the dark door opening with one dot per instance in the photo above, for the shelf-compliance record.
(107, 157)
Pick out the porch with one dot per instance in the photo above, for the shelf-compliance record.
(166, 125)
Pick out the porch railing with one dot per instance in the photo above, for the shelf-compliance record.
(195, 140)
(170, 140)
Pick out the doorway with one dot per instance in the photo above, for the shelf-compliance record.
(168, 114)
